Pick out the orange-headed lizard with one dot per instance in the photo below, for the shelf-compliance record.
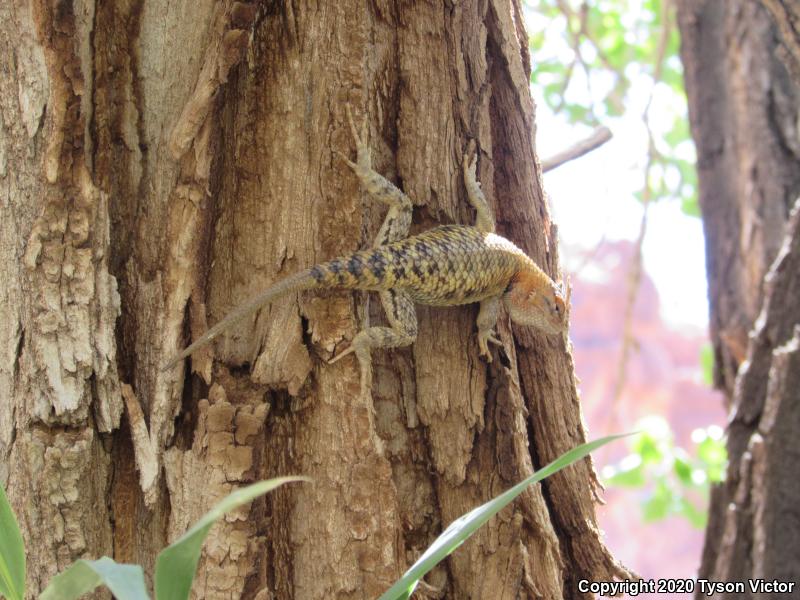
(444, 266)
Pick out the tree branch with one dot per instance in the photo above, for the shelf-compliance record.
(596, 139)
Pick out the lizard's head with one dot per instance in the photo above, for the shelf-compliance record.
(534, 299)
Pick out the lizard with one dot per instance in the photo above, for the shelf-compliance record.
(448, 265)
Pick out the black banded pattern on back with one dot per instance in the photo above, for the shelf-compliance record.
(447, 265)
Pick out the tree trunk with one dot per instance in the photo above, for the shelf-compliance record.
(743, 88)
(162, 161)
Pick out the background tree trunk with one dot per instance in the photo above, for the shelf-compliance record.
(160, 162)
(743, 88)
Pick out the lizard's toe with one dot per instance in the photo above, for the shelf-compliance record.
(353, 130)
(349, 162)
(483, 344)
(342, 354)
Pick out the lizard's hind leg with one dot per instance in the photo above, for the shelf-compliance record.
(398, 219)
(487, 319)
(484, 220)
(402, 317)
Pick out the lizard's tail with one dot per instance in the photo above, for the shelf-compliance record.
(299, 281)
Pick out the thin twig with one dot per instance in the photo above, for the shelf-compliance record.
(587, 257)
(635, 273)
(628, 341)
(597, 138)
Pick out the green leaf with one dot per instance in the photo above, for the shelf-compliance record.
(714, 455)
(683, 470)
(691, 207)
(630, 478)
(12, 553)
(126, 582)
(550, 66)
(679, 132)
(673, 77)
(647, 447)
(578, 113)
(177, 563)
(695, 516)
(535, 42)
(707, 363)
(463, 527)
(658, 505)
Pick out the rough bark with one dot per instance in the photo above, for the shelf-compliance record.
(161, 161)
(760, 532)
(742, 106)
(743, 92)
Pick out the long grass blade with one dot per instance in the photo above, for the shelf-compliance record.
(463, 527)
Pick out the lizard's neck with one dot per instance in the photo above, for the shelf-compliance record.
(530, 277)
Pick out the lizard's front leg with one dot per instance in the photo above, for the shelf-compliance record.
(487, 319)
(484, 221)
(398, 219)
(403, 331)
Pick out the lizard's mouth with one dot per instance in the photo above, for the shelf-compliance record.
(550, 325)
(535, 318)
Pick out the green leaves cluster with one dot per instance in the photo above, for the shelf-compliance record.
(176, 564)
(674, 481)
(599, 61)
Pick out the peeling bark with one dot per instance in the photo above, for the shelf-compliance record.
(760, 533)
(155, 170)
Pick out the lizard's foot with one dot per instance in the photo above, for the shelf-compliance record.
(364, 363)
(363, 162)
(484, 220)
(342, 354)
(483, 338)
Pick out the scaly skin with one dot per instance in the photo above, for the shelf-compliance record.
(445, 266)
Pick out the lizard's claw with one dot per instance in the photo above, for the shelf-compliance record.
(364, 155)
(483, 346)
(364, 363)
(349, 162)
(361, 138)
(342, 354)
